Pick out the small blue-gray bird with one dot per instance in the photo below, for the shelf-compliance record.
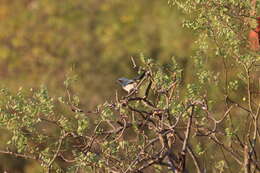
(127, 84)
(130, 84)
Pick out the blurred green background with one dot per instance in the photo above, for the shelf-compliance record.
(43, 42)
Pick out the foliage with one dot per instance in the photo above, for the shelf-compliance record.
(152, 128)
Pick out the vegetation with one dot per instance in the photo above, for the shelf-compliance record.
(197, 112)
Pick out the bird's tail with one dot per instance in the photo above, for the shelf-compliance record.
(141, 76)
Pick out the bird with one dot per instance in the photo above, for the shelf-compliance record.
(130, 84)
(127, 84)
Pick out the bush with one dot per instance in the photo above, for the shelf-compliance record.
(165, 124)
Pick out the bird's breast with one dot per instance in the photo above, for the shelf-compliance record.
(129, 87)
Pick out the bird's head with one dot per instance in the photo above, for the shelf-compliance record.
(124, 81)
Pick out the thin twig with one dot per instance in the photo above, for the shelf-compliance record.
(185, 141)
